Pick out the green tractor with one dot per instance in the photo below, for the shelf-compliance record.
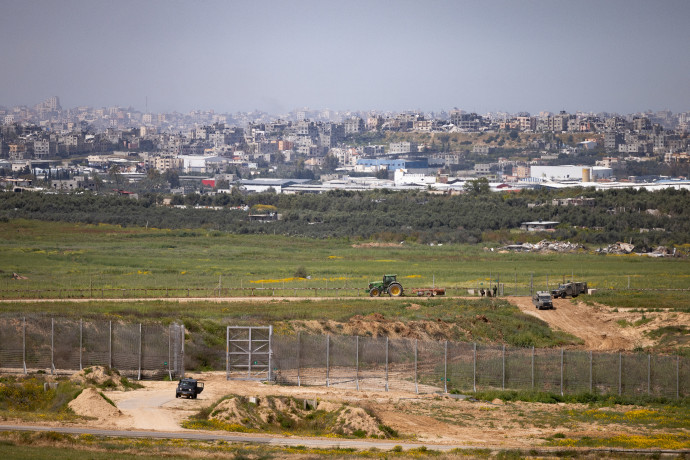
(389, 286)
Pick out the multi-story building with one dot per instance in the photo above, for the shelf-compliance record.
(521, 171)
(612, 140)
(641, 124)
(526, 123)
(165, 163)
(399, 148)
(17, 151)
(43, 149)
(354, 125)
(482, 149)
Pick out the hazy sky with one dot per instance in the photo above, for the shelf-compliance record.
(512, 55)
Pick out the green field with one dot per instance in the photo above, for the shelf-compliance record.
(78, 260)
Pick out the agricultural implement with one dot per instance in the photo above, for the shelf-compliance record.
(428, 292)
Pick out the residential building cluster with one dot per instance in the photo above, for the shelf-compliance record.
(47, 137)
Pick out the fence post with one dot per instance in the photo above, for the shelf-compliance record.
(677, 376)
(533, 367)
(561, 372)
(24, 343)
(591, 375)
(299, 358)
(649, 374)
(81, 340)
(357, 362)
(176, 330)
(52, 347)
(416, 386)
(531, 284)
(169, 350)
(270, 353)
(249, 356)
(182, 351)
(474, 368)
(620, 373)
(445, 368)
(110, 344)
(386, 362)
(139, 376)
(503, 382)
(227, 353)
(328, 356)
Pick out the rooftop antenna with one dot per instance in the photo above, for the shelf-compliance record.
(147, 104)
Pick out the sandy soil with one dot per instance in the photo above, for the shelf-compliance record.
(432, 418)
(598, 325)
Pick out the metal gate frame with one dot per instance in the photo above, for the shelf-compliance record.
(240, 342)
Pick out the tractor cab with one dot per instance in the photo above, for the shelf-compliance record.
(388, 279)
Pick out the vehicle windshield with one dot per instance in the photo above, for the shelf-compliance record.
(186, 385)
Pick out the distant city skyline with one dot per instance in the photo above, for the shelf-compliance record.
(496, 55)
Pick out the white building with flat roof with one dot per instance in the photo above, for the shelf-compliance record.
(569, 172)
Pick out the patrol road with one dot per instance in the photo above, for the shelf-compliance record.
(314, 443)
(273, 440)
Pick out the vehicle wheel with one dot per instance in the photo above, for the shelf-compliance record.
(374, 293)
(563, 296)
(177, 395)
(574, 295)
(193, 396)
(395, 290)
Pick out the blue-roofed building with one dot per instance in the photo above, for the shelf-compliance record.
(394, 164)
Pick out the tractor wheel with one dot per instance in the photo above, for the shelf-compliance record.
(395, 290)
(374, 292)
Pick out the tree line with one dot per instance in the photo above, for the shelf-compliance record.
(473, 217)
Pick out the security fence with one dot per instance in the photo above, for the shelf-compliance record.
(137, 350)
(61, 346)
(375, 363)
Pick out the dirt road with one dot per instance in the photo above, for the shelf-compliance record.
(430, 418)
(602, 327)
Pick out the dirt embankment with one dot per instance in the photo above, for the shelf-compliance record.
(601, 327)
(376, 325)
(90, 403)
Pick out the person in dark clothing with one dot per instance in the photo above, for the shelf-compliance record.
(495, 290)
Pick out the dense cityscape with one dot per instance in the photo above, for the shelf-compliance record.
(124, 150)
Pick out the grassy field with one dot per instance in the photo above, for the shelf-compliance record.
(102, 260)
(500, 321)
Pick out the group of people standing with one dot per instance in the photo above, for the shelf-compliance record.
(488, 292)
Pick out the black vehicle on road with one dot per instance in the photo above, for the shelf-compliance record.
(189, 388)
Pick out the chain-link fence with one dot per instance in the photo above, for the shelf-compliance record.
(59, 345)
(62, 346)
(375, 363)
